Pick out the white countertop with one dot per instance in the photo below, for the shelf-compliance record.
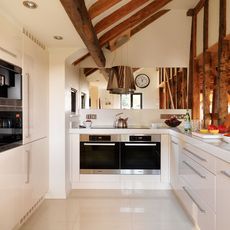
(216, 147)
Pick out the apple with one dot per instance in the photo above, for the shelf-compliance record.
(222, 128)
(212, 127)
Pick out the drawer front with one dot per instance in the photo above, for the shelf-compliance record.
(202, 182)
(201, 157)
(201, 214)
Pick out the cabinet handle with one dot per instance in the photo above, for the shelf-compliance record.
(174, 143)
(225, 173)
(99, 144)
(27, 167)
(195, 155)
(139, 144)
(28, 105)
(195, 202)
(194, 170)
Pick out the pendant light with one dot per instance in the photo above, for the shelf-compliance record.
(121, 80)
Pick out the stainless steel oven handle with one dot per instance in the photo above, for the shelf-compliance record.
(99, 144)
(195, 202)
(194, 170)
(140, 144)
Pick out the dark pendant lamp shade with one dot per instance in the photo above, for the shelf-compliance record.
(121, 80)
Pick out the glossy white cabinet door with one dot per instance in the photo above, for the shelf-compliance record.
(223, 196)
(35, 91)
(36, 184)
(174, 163)
(12, 179)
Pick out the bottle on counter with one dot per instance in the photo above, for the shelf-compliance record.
(187, 122)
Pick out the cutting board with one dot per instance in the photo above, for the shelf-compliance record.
(206, 135)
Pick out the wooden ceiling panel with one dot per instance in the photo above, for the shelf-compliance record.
(100, 6)
(118, 14)
(133, 20)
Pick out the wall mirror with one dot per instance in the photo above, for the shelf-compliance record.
(156, 88)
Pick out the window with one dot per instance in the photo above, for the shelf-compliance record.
(131, 101)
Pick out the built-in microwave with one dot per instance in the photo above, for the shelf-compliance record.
(10, 84)
(10, 106)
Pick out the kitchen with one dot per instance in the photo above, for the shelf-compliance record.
(46, 166)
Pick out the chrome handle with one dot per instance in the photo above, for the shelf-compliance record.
(139, 144)
(194, 170)
(28, 105)
(174, 143)
(27, 167)
(195, 155)
(195, 202)
(99, 144)
(225, 173)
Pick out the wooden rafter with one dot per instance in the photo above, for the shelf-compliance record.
(118, 14)
(81, 59)
(89, 71)
(133, 20)
(148, 21)
(196, 9)
(100, 6)
(79, 16)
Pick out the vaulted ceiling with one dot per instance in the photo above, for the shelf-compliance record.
(112, 22)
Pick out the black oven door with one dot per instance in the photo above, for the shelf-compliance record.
(99, 157)
(141, 157)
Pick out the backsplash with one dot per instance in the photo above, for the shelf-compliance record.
(142, 117)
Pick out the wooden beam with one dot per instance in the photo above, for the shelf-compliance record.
(118, 14)
(133, 20)
(199, 6)
(206, 89)
(78, 14)
(89, 71)
(100, 6)
(148, 21)
(222, 100)
(81, 59)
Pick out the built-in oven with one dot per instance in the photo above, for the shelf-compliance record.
(140, 154)
(120, 154)
(99, 154)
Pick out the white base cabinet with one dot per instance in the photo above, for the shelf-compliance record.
(223, 195)
(23, 181)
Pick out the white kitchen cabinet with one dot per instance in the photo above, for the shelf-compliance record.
(36, 185)
(12, 179)
(174, 162)
(222, 196)
(35, 91)
(10, 42)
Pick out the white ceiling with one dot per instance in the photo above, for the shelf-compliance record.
(50, 19)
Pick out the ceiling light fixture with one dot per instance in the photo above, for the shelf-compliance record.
(58, 37)
(30, 4)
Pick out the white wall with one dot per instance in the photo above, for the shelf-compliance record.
(165, 43)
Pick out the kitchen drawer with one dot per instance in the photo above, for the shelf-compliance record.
(201, 214)
(201, 157)
(202, 182)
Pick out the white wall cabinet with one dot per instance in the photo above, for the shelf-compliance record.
(222, 196)
(35, 91)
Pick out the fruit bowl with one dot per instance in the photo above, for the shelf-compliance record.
(172, 122)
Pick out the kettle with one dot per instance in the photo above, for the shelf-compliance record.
(121, 123)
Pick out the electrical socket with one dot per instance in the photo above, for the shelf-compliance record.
(91, 116)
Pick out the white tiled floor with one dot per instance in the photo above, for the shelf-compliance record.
(111, 210)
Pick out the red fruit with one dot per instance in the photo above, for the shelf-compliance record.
(222, 128)
(212, 127)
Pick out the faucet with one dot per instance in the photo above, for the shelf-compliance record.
(115, 123)
(120, 122)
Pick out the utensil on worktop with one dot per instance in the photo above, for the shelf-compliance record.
(87, 123)
(172, 122)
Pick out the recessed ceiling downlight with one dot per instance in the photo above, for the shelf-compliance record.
(30, 4)
(58, 37)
